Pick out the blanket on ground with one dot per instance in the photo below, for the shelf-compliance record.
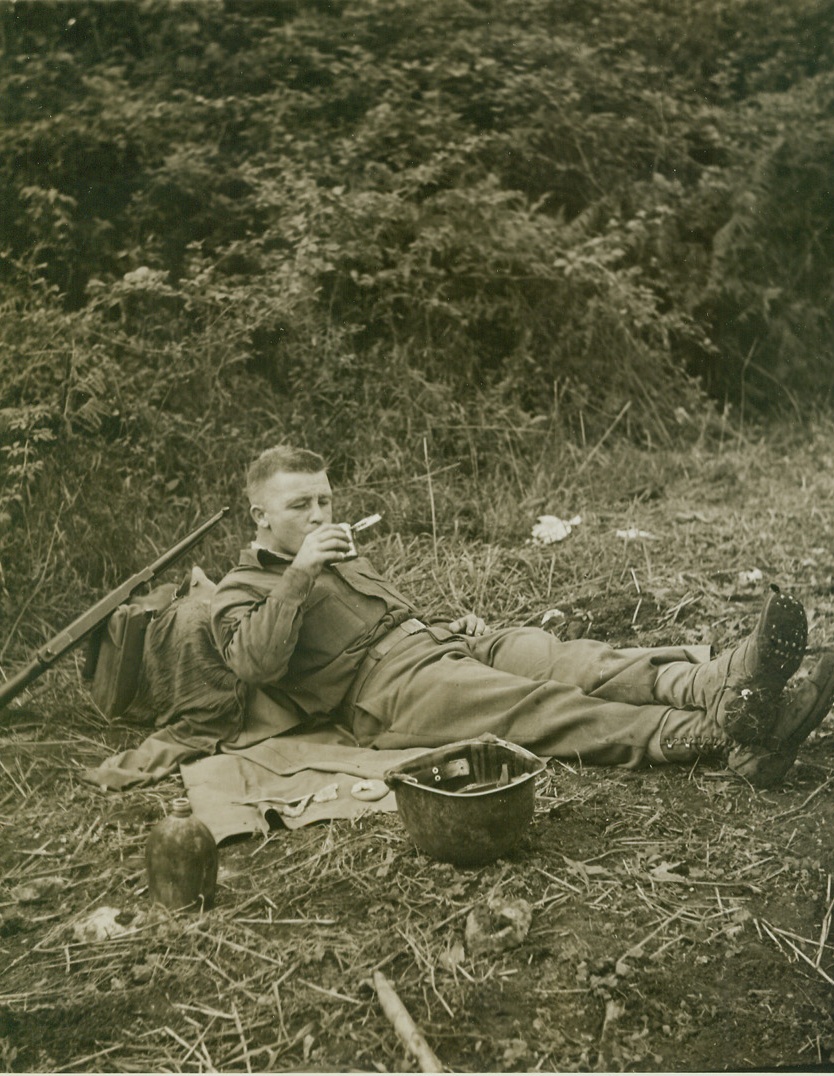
(291, 780)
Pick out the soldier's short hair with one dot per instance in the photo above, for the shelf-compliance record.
(284, 458)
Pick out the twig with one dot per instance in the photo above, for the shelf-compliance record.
(636, 950)
(557, 880)
(826, 922)
(204, 1010)
(178, 1038)
(19, 789)
(291, 922)
(238, 948)
(36, 588)
(243, 1041)
(805, 802)
(400, 481)
(613, 1011)
(330, 993)
(429, 966)
(672, 614)
(404, 1026)
(431, 502)
(602, 439)
(795, 948)
(92, 1057)
(280, 1008)
(198, 1042)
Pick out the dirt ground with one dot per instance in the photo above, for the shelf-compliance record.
(680, 918)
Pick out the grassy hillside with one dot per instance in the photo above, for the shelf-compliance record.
(477, 238)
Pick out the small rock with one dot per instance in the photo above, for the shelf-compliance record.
(141, 973)
(500, 924)
(40, 889)
(515, 1051)
(452, 957)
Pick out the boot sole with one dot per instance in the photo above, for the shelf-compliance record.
(784, 630)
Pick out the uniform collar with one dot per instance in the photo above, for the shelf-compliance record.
(257, 553)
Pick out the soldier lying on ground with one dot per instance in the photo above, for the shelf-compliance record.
(303, 620)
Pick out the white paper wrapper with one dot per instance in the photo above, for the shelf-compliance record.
(550, 529)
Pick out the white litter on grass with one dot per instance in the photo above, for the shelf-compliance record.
(751, 578)
(632, 533)
(103, 924)
(552, 614)
(550, 529)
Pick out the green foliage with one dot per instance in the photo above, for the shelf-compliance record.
(767, 294)
(467, 236)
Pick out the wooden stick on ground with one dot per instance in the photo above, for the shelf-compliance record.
(404, 1026)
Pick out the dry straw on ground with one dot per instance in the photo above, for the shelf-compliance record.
(680, 919)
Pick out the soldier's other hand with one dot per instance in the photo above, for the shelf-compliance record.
(468, 625)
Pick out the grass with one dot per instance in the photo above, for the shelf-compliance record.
(680, 918)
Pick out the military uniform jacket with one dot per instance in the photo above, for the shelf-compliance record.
(300, 636)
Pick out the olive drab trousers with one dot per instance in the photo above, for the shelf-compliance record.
(581, 700)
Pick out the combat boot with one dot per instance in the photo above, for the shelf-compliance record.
(740, 690)
(687, 735)
(766, 761)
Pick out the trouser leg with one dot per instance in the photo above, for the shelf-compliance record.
(626, 674)
(426, 694)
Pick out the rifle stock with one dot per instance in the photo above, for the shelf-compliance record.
(88, 622)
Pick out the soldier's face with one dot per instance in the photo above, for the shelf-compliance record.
(289, 507)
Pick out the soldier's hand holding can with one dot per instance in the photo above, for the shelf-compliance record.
(327, 544)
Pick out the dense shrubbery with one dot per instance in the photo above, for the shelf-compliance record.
(466, 233)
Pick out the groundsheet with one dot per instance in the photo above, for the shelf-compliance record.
(289, 780)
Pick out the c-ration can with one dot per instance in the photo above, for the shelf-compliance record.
(352, 553)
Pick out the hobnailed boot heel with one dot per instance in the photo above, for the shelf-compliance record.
(740, 689)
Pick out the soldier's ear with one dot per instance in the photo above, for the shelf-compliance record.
(257, 513)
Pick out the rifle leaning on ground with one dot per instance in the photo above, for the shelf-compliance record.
(96, 617)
